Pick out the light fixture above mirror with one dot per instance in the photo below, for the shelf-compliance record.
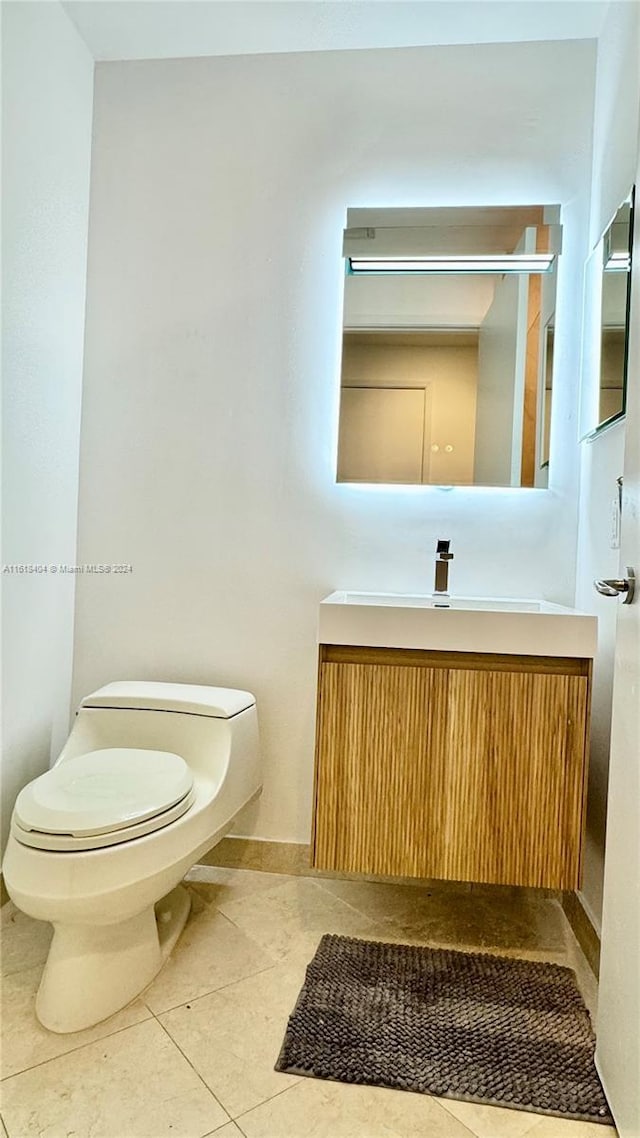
(515, 263)
(446, 367)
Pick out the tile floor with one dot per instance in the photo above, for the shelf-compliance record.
(194, 1055)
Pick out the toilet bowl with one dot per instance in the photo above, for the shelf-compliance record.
(150, 778)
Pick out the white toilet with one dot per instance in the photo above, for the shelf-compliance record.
(151, 777)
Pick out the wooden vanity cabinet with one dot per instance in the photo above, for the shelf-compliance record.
(452, 765)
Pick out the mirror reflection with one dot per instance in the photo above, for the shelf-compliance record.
(616, 284)
(547, 392)
(448, 346)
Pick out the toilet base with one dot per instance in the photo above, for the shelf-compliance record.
(93, 971)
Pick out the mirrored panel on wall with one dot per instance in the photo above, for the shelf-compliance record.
(546, 392)
(447, 353)
(606, 330)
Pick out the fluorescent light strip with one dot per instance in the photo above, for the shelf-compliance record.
(513, 263)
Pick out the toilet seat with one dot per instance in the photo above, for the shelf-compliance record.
(103, 797)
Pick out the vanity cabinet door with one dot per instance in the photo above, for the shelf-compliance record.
(430, 768)
(515, 778)
(380, 807)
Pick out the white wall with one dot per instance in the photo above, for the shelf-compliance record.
(47, 100)
(219, 196)
(615, 148)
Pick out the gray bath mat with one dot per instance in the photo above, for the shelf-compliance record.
(488, 1029)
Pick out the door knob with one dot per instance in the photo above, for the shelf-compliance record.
(610, 588)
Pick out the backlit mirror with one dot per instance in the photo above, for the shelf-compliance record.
(608, 287)
(447, 352)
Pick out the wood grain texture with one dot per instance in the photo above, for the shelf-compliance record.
(515, 765)
(466, 774)
(531, 381)
(532, 372)
(380, 807)
(478, 661)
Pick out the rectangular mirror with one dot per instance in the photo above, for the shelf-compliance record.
(447, 348)
(606, 324)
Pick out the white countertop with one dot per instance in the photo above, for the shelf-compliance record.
(513, 626)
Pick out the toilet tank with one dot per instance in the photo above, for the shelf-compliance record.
(201, 724)
(193, 699)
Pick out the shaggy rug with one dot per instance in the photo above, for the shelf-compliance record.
(471, 1026)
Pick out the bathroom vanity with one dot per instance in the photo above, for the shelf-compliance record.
(436, 758)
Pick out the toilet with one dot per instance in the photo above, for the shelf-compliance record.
(151, 777)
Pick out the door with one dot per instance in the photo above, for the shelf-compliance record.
(618, 1047)
(515, 764)
(382, 434)
(380, 807)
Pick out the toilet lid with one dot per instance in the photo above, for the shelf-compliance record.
(103, 791)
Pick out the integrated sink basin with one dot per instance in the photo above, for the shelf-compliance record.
(456, 624)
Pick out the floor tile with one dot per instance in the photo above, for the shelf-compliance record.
(291, 918)
(563, 1128)
(384, 902)
(25, 942)
(466, 921)
(587, 982)
(25, 1042)
(224, 997)
(135, 1083)
(233, 1037)
(440, 916)
(210, 953)
(319, 1109)
(491, 1121)
(529, 891)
